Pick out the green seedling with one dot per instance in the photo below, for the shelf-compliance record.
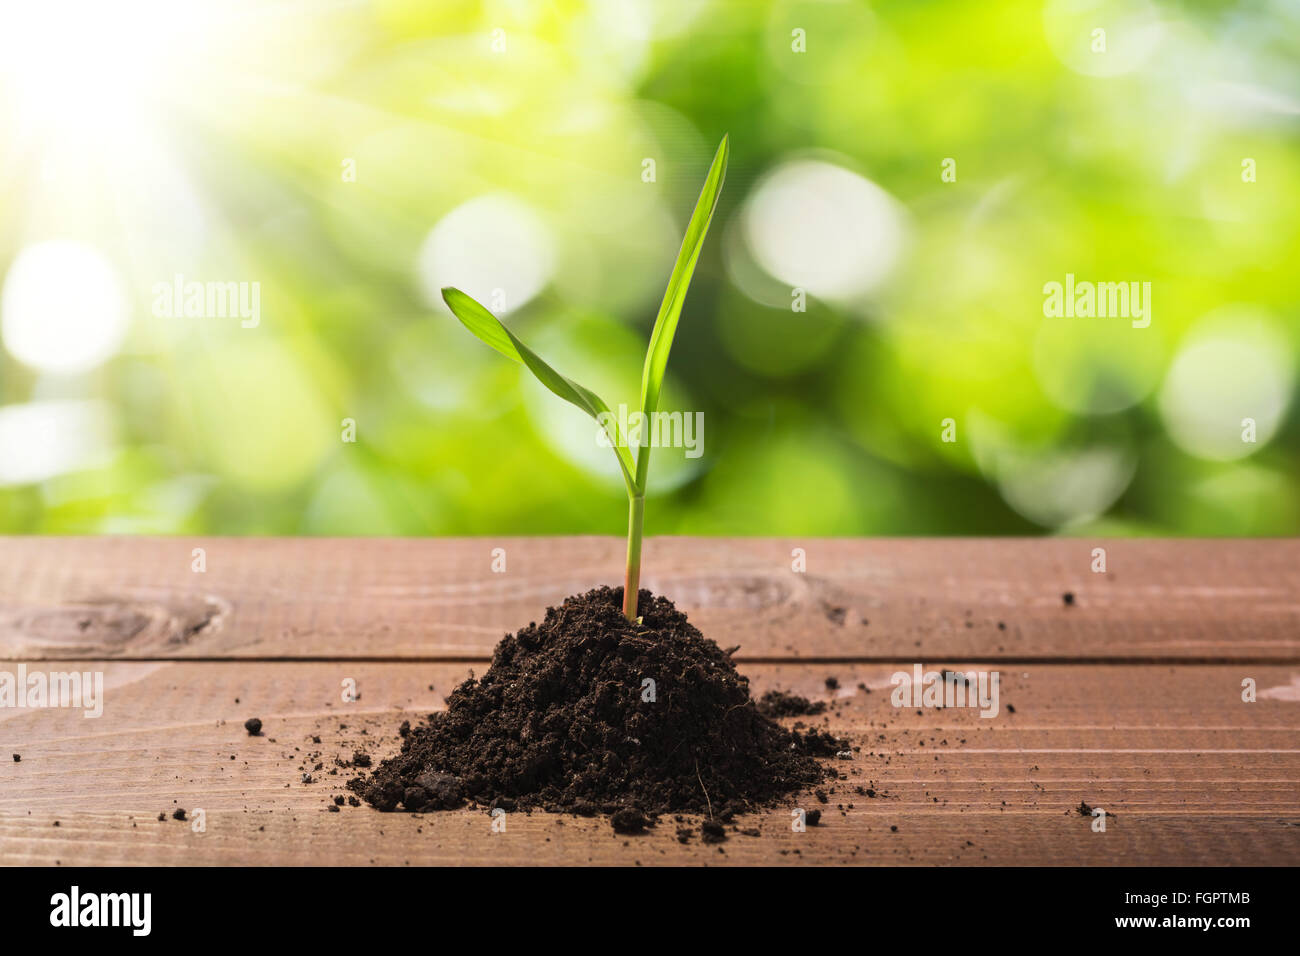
(636, 471)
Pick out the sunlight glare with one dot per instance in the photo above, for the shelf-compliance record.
(77, 66)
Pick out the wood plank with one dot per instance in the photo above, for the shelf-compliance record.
(1193, 774)
(380, 599)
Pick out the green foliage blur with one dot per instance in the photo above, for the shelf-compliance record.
(906, 178)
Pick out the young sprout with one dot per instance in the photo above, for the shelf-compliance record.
(636, 471)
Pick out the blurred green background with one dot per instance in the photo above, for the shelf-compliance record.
(351, 158)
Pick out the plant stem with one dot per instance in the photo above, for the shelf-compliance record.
(632, 583)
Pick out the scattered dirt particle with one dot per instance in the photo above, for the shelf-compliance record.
(1084, 810)
(781, 703)
(629, 820)
(818, 743)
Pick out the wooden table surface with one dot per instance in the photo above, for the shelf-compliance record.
(1129, 699)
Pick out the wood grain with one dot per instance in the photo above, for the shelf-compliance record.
(1191, 773)
(1129, 699)
(879, 599)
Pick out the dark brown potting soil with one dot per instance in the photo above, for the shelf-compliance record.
(588, 712)
(783, 703)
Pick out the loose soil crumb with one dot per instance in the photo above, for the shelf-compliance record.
(1086, 811)
(782, 703)
(566, 720)
(629, 820)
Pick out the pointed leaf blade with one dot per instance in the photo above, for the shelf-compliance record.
(489, 330)
(665, 328)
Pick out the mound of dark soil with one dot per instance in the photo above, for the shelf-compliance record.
(590, 713)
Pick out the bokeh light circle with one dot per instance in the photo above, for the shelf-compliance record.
(1061, 487)
(1131, 32)
(823, 228)
(1234, 365)
(495, 248)
(64, 307)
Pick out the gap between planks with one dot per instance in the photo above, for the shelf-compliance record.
(847, 660)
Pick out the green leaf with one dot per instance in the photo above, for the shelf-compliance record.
(489, 330)
(485, 326)
(661, 339)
